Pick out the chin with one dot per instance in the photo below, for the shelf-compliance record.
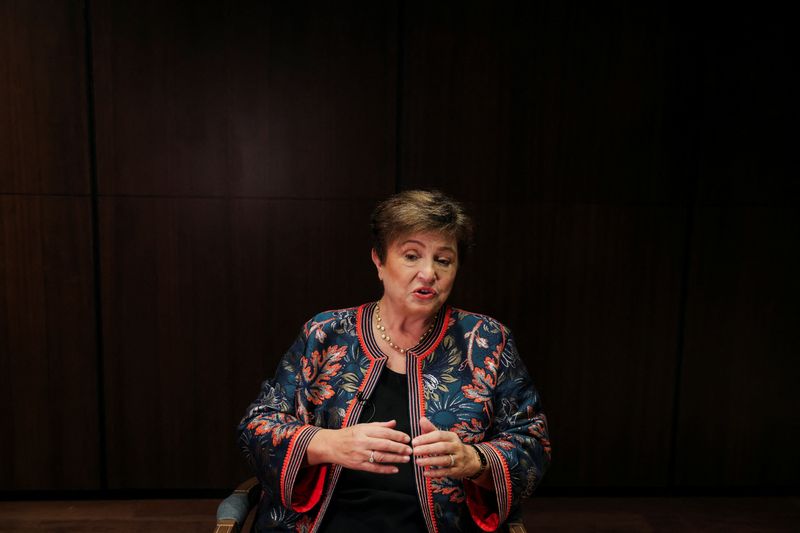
(434, 303)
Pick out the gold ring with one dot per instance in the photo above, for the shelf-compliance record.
(452, 460)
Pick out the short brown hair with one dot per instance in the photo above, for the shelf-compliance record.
(420, 211)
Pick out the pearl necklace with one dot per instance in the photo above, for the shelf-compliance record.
(385, 336)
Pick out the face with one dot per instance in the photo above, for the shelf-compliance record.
(419, 272)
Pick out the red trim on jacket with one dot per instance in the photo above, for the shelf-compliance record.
(306, 492)
(421, 401)
(447, 312)
(506, 478)
(308, 488)
(483, 512)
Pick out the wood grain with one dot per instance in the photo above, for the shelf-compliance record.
(48, 372)
(538, 101)
(738, 421)
(586, 514)
(43, 114)
(748, 120)
(592, 294)
(201, 299)
(269, 99)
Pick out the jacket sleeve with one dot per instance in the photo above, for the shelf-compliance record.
(517, 445)
(275, 432)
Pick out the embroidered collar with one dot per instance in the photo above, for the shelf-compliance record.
(369, 343)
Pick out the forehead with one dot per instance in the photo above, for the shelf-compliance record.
(434, 240)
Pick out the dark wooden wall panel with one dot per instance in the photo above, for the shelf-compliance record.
(553, 123)
(738, 417)
(240, 149)
(537, 100)
(201, 299)
(748, 122)
(252, 104)
(264, 99)
(43, 135)
(592, 293)
(48, 374)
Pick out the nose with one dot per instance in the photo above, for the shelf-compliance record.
(427, 273)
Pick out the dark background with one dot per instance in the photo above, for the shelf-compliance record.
(182, 184)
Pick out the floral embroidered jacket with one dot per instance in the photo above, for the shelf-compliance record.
(465, 377)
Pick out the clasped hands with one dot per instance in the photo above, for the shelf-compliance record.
(441, 452)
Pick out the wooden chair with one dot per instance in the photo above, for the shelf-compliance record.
(232, 513)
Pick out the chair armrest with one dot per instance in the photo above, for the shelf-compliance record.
(233, 510)
(516, 527)
(226, 526)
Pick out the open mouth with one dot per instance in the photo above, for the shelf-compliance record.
(425, 292)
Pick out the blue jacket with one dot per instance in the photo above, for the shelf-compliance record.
(467, 377)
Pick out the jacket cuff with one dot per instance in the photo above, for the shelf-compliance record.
(301, 488)
(486, 513)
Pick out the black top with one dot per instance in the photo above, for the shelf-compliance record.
(379, 503)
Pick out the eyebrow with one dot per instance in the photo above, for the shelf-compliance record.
(441, 248)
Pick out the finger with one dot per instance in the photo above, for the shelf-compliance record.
(376, 468)
(441, 472)
(383, 457)
(388, 446)
(389, 434)
(388, 423)
(436, 448)
(426, 425)
(434, 436)
(439, 461)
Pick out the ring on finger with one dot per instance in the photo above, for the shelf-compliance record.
(452, 460)
(372, 456)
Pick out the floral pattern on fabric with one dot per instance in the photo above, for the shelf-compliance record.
(439, 373)
(318, 369)
(471, 432)
(451, 488)
(473, 383)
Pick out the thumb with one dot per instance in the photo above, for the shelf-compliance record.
(426, 425)
(387, 424)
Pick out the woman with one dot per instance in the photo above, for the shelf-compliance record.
(404, 414)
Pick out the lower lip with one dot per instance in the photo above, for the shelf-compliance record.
(423, 296)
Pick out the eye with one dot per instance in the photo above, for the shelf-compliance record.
(411, 256)
(444, 261)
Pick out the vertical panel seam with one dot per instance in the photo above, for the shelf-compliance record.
(98, 311)
(681, 343)
(398, 97)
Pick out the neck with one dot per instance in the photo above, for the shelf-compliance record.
(403, 323)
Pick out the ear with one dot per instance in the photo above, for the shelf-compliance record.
(378, 264)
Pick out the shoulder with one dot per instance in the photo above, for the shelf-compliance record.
(478, 327)
(336, 314)
(468, 319)
(342, 321)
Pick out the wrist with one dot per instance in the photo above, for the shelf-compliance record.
(480, 461)
(319, 448)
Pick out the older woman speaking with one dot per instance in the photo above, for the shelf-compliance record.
(404, 414)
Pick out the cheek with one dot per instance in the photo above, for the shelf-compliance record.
(447, 279)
